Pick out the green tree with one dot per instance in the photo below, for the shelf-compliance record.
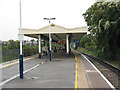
(103, 19)
(12, 44)
(32, 41)
(88, 42)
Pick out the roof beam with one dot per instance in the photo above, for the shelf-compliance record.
(57, 36)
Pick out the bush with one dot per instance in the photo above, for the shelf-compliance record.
(88, 42)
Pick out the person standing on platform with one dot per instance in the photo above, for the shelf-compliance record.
(44, 51)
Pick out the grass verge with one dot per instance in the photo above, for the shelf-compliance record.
(87, 52)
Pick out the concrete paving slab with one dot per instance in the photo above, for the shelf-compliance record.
(94, 79)
(82, 80)
(60, 73)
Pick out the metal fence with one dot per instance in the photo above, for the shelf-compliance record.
(12, 54)
(0, 51)
(29, 52)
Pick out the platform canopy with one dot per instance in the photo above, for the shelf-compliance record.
(58, 33)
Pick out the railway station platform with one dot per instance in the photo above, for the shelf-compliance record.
(62, 72)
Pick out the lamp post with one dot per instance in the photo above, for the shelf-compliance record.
(50, 55)
(21, 55)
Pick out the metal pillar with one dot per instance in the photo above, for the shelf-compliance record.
(67, 45)
(21, 55)
(39, 41)
(50, 39)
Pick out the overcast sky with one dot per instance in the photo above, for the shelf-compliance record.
(68, 13)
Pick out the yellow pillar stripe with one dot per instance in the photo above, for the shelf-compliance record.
(76, 74)
(15, 63)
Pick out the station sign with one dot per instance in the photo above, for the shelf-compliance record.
(52, 25)
(61, 41)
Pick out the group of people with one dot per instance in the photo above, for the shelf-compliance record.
(45, 50)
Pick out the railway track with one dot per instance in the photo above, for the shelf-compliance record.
(111, 72)
(109, 66)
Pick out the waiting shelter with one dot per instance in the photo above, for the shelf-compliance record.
(58, 33)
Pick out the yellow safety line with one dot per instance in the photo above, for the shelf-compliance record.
(15, 63)
(76, 74)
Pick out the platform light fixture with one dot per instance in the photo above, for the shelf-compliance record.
(50, 39)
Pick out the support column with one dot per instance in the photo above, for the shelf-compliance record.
(50, 39)
(21, 65)
(21, 55)
(67, 45)
(39, 41)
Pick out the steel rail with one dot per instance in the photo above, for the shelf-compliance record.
(106, 64)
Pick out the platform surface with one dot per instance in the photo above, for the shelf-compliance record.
(60, 73)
